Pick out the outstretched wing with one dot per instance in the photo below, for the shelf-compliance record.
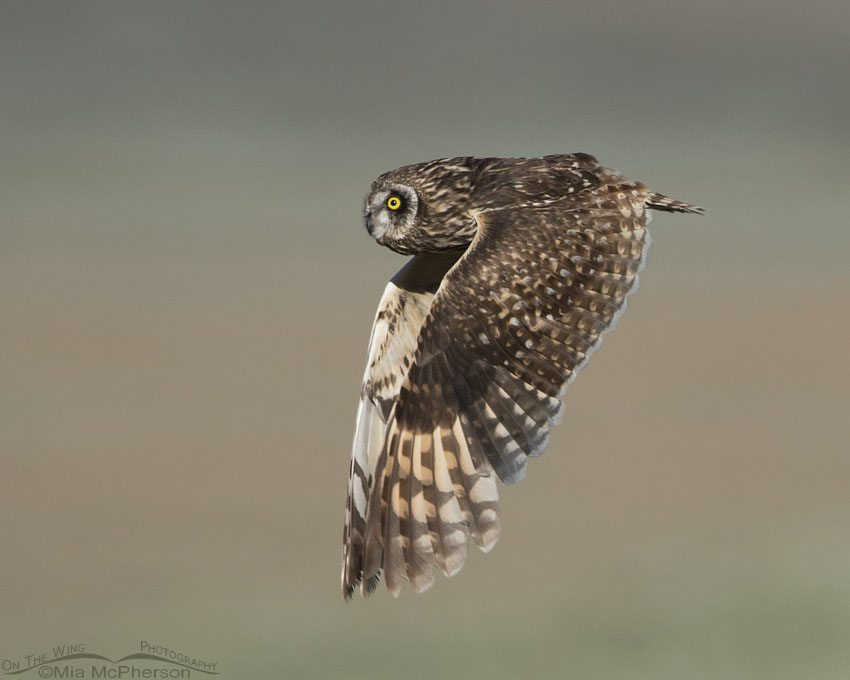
(401, 312)
(510, 326)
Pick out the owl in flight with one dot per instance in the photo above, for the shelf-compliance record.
(519, 266)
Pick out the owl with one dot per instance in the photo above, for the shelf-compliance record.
(518, 267)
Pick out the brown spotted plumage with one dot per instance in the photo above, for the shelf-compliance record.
(520, 265)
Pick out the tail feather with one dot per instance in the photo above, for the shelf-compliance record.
(662, 202)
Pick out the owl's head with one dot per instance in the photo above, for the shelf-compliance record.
(424, 207)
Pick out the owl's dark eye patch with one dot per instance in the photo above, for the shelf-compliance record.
(394, 202)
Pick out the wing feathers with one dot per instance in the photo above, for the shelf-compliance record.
(392, 345)
(449, 519)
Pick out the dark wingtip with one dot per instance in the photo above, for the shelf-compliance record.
(367, 587)
(370, 585)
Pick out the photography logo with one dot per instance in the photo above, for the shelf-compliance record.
(77, 661)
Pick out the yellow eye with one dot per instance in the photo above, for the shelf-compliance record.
(393, 202)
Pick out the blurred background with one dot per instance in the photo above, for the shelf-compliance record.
(186, 293)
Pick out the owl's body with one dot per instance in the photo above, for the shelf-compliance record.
(520, 265)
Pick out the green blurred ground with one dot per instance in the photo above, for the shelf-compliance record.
(186, 293)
